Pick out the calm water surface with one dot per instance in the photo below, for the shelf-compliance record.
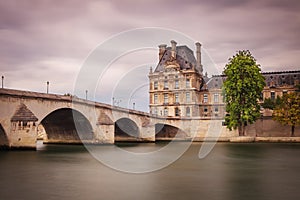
(230, 171)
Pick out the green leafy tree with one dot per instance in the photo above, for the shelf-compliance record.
(242, 89)
(288, 111)
(270, 103)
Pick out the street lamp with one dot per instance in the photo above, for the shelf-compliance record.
(133, 106)
(2, 81)
(86, 94)
(116, 102)
(47, 87)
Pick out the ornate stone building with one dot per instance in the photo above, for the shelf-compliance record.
(176, 82)
(178, 87)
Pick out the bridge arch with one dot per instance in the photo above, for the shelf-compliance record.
(165, 131)
(3, 138)
(67, 125)
(126, 128)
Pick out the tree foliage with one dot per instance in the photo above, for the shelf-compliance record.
(270, 103)
(288, 111)
(242, 89)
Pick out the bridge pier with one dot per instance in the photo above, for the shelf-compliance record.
(147, 133)
(104, 134)
(23, 135)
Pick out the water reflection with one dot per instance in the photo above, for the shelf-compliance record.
(230, 171)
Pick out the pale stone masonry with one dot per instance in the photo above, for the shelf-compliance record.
(176, 82)
(178, 87)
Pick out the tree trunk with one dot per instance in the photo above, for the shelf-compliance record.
(241, 129)
(293, 131)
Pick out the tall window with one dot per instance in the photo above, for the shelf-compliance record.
(165, 111)
(216, 109)
(176, 98)
(187, 83)
(205, 98)
(216, 98)
(155, 85)
(272, 95)
(177, 112)
(188, 97)
(155, 98)
(166, 98)
(155, 111)
(166, 85)
(176, 84)
(188, 111)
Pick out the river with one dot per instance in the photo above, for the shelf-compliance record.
(231, 171)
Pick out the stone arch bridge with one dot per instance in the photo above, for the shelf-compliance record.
(66, 119)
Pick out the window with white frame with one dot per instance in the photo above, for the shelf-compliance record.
(155, 85)
(205, 98)
(176, 98)
(155, 111)
(216, 98)
(216, 109)
(188, 111)
(166, 98)
(155, 98)
(272, 95)
(187, 83)
(176, 84)
(188, 97)
(166, 111)
(166, 85)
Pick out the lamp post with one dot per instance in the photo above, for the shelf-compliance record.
(86, 94)
(116, 102)
(133, 106)
(47, 87)
(2, 81)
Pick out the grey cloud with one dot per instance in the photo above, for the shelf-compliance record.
(36, 32)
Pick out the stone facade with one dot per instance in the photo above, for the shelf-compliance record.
(176, 82)
(178, 87)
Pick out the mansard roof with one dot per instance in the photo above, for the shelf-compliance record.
(215, 82)
(23, 114)
(184, 56)
(278, 78)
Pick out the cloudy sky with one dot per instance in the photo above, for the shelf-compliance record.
(48, 40)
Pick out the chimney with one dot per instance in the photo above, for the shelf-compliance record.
(198, 54)
(162, 49)
(173, 48)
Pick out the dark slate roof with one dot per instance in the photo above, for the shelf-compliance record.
(279, 78)
(23, 114)
(282, 72)
(185, 57)
(215, 82)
